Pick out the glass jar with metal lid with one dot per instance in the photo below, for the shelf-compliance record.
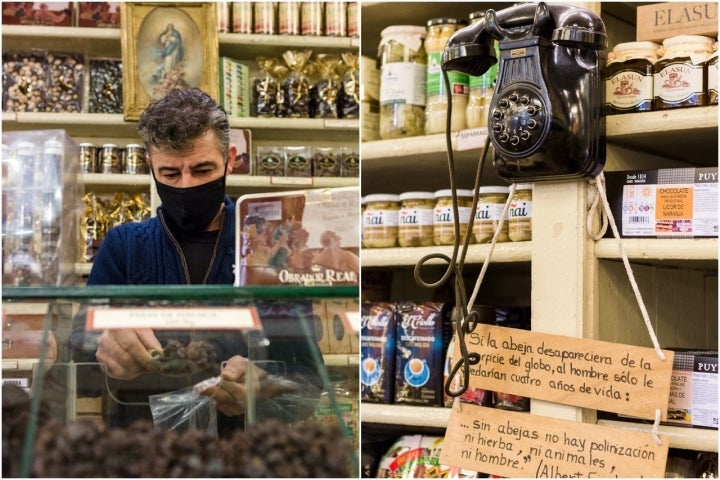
(380, 220)
(520, 214)
(481, 87)
(712, 78)
(439, 31)
(488, 213)
(416, 219)
(629, 84)
(110, 160)
(402, 81)
(444, 217)
(679, 76)
(135, 159)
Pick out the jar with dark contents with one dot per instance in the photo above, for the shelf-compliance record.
(402, 81)
(488, 213)
(680, 76)
(88, 156)
(416, 219)
(712, 78)
(135, 163)
(520, 214)
(629, 84)
(380, 220)
(444, 216)
(110, 160)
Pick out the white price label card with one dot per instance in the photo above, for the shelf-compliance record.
(471, 139)
(192, 318)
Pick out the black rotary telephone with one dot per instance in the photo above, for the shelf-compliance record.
(546, 118)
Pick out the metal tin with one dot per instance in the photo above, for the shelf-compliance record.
(135, 159)
(110, 159)
(88, 158)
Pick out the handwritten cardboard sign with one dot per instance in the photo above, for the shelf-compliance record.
(516, 445)
(574, 371)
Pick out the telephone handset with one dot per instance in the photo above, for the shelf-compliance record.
(546, 119)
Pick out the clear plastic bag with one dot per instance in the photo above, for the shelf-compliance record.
(186, 409)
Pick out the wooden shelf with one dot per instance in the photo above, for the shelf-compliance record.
(504, 253)
(438, 417)
(249, 46)
(676, 252)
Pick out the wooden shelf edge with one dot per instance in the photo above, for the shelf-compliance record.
(680, 437)
(680, 119)
(405, 415)
(659, 248)
(508, 252)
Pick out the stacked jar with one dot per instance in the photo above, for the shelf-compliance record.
(629, 84)
(680, 75)
(481, 88)
(520, 213)
(444, 216)
(712, 77)
(402, 81)
(488, 214)
(439, 31)
(380, 220)
(416, 219)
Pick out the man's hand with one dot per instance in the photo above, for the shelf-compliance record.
(236, 377)
(126, 353)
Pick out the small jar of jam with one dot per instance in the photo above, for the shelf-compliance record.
(416, 219)
(444, 218)
(712, 78)
(629, 84)
(488, 213)
(380, 220)
(520, 214)
(680, 75)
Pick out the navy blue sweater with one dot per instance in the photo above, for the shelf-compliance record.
(147, 253)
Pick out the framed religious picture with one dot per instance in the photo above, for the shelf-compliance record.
(166, 46)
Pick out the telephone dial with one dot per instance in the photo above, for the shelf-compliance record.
(546, 119)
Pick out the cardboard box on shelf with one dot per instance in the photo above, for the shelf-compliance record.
(659, 21)
(665, 203)
(694, 389)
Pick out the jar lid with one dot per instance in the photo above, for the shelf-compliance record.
(109, 145)
(54, 145)
(446, 21)
(24, 147)
(86, 144)
(381, 197)
(448, 193)
(698, 40)
(523, 186)
(402, 30)
(133, 145)
(409, 35)
(477, 15)
(417, 195)
(494, 189)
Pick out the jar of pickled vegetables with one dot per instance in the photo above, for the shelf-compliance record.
(439, 31)
(380, 220)
(402, 81)
(520, 214)
(488, 213)
(416, 219)
(481, 87)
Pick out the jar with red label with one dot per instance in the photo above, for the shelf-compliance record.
(629, 84)
(680, 75)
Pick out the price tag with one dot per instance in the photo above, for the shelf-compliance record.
(351, 320)
(221, 318)
(302, 181)
(517, 445)
(471, 139)
(574, 371)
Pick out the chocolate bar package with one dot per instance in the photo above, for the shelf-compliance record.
(423, 333)
(302, 237)
(377, 352)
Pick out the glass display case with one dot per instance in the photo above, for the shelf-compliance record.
(236, 370)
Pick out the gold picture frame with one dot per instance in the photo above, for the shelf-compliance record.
(167, 45)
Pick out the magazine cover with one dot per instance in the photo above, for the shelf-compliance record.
(305, 237)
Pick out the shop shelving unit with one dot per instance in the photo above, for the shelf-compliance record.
(593, 299)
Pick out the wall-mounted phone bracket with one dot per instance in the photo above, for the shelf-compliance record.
(546, 118)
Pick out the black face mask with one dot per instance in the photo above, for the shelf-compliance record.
(193, 208)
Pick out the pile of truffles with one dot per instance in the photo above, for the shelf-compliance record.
(87, 448)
